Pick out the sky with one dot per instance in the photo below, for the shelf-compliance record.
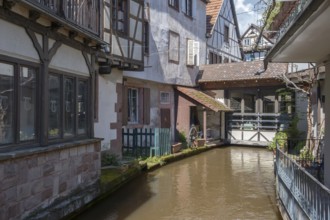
(248, 12)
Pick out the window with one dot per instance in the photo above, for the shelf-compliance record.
(188, 9)
(18, 105)
(136, 105)
(146, 38)
(164, 98)
(174, 47)
(119, 15)
(214, 58)
(174, 3)
(67, 115)
(249, 103)
(268, 104)
(133, 105)
(246, 42)
(226, 34)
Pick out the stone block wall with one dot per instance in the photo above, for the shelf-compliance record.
(31, 182)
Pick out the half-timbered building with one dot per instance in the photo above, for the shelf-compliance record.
(123, 25)
(249, 40)
(61, 69)
(174, 47)
(222, 33)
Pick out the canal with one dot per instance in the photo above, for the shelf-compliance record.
(224, 183)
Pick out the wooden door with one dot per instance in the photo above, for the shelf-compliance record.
(165, 118)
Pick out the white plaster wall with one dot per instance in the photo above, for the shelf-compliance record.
(16, 43)
(155, 105)
(69, 60)
(107, 101)
(327, 128)
(163, 18)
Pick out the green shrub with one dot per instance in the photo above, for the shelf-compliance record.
(109, 159)
(280, 138)
(183, 139)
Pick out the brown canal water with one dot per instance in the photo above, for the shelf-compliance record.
(224, 183)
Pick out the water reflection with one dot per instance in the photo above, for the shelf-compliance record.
(226, 183)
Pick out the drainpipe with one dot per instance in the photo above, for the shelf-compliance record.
(204, 123)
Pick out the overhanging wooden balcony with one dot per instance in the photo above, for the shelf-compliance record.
(81, 14)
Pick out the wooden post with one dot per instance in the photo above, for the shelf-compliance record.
(204, 123)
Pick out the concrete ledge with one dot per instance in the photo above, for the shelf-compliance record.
(27, 151)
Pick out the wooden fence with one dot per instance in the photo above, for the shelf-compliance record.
(138, 142)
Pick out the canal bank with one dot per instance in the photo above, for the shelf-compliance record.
(228, 182)
(114, 177)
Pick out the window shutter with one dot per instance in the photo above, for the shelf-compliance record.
(141, 106)
(194, 11)
(124, 109)
(146, 106)
(190, 52)
(196, 53)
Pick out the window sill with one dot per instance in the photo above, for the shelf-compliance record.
(174, 8)
(188, 16)
(27, 151)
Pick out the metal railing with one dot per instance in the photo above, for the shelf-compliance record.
(84, 13)
(302, 195)
(259, 121)
(313, 161)
(298, 9)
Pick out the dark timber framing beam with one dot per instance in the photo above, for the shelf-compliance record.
(38, 28)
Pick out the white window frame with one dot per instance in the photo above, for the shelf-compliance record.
(131, 104)
(168, 101)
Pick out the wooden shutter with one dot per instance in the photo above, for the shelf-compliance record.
(196, 53)
(124, 106)
(146, 105)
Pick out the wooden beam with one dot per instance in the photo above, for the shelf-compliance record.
(38, 28)
(34, 15)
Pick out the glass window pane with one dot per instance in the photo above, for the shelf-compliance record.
(54, 113)
(27, 104)
(82, 107)
(133, 105)
(69, 112)
(269, 104)
(6, 103)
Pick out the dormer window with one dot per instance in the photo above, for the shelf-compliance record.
(119, 15)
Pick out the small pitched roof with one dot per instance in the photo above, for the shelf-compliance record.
(203, 99)
(212, 13)
(236, 73)
(253, 26)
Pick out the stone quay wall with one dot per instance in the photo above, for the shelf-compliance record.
(49, 182)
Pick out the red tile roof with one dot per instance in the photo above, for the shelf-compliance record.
(212, 12)
(204, 99)
(240, 71)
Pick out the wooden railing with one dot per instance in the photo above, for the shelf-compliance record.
(84, 13)
(303, 196)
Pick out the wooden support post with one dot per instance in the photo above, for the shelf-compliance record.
(204, 123)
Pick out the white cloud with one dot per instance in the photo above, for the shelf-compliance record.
(246, 13)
